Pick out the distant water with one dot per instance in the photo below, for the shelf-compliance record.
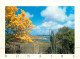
(47, 39)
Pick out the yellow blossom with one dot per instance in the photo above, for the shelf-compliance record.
(18, 23)
(23, 13)
(15, 8)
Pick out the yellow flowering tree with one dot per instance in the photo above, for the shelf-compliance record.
(19, 24)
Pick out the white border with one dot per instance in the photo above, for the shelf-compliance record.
(75, 3)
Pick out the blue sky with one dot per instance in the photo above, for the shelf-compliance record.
(47, 18)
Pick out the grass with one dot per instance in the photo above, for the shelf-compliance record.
(37, 47)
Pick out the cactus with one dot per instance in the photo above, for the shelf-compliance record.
(53, 42)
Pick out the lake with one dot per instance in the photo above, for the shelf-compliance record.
(47, 39)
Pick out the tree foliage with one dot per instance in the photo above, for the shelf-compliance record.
(66, 37)
(18, 25)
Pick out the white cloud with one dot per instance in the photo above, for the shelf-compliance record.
(70, 17)
(55, 18)
(29, 15)
(46, 26)
(50, 25)
(56, 14)
(37, 27)
(40, 30)
(69, 24)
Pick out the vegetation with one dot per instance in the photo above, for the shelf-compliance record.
(64, 43)
(17, 26)
(18, 39)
